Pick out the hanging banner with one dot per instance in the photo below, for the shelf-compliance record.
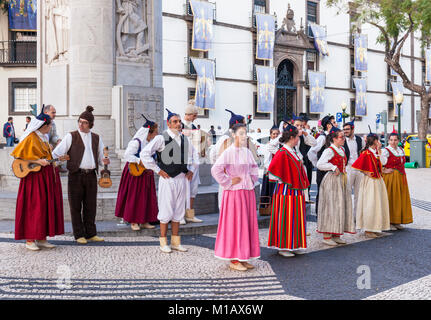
(317, 82)
(319, 34)
(205, 83)
(202, 25)
(265, 38)
(428, 65)
(393, 73)
(265, 89)
(361, 52)
(397, 88)
(361, 97)
(23, 15)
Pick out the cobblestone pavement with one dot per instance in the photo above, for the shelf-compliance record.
(133, 268)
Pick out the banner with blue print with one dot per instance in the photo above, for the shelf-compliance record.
(317, 82)
(393, 73)
(428, 65)
(265, 38)
(319, 34)
(397, 89)
(265, 89)
(361, 96)
(361, 52)
(205, 83)
(202, 25)
(23, 15)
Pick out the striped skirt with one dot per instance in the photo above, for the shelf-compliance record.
(287, 229)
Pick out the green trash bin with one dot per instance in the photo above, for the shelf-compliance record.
(411, 165)
(418, 152)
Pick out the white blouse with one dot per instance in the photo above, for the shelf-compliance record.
(323, 163)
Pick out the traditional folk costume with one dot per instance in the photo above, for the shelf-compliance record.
(86, 154)
(372, 214)
(137, 199)
(39, 205)
(237, 233)
(335, 202)
(175, 157)
(287, 229)
(314, 155)
(225, 141)
(352, 147)
(400, 206)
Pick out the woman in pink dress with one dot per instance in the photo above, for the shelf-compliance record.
(238, 234)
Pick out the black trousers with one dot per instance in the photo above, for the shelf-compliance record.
(82, 194)
(319, 178)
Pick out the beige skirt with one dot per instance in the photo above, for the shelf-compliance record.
(335, 214)
(373, 206)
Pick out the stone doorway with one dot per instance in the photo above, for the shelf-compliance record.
(286, 90)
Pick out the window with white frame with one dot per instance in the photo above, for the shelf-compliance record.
(23, 95)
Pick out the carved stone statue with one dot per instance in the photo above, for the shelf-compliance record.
(131, 29)
(288, 22)
(57, 30)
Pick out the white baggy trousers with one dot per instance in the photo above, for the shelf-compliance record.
(172, 198)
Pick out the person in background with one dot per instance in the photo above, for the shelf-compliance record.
(9, 132)
(213, 134)
(353, 145)
(382, 138)
(27, 121)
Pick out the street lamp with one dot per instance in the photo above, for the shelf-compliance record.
(399, 98)
(344, 107)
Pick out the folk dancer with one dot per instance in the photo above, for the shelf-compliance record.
(85, 149)
(194, 134)
(316, 152)
(226, 140)
(137, 198)
(353, 145)
(176, 168)
(372, 215)
(394, 175)
(237, 234)
(335, 202)
(287, 228)
(39, 204)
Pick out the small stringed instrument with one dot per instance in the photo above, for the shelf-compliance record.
(136, 169)
(105, 175)
(21, 168)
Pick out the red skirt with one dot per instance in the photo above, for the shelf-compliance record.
(137, 200)
(39, 205)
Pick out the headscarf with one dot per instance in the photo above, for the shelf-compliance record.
(35, 124)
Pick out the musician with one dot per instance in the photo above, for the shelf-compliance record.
(85, 149)
(193, 133)
(137, 199)
(39, 205)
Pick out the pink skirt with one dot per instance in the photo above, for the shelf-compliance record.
(39, 205)
(238, 232)
(137, 200)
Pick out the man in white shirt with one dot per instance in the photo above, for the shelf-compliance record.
(315, 152)
(85, 150)
(176, 168)
(353, 146)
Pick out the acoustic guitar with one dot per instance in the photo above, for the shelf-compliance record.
(136, 169)
(105, 175)
(21, 168)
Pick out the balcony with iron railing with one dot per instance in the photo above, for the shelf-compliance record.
(18, 53)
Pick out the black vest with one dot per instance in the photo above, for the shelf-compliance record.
(173, 159)
(303, 148)
(346, 147)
